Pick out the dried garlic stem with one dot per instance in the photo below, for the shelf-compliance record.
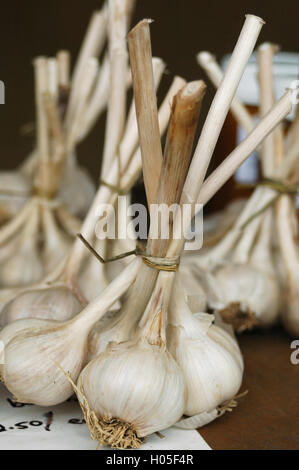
(208, 63)
(64, 64)
(265, 60)
(146, 106)
(220, 107)
(91, 47)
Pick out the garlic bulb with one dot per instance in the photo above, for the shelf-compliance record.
(208, 356)
(118, 384)
(245, 296)
(244, 286)
(135, 388)
(52, 303)
(36, 350)
(12, 330)
(32, 357)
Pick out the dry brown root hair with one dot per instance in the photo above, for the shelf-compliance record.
(239, 319)
(229, 405)
(113, 433)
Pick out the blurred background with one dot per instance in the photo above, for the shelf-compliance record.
(180, 30)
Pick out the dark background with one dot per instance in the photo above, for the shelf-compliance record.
(181, 29)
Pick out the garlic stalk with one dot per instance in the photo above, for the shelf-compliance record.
(81, 103)
(93, 275)
(17, 188)
(56, 243)
(122, 326)
(36, 349)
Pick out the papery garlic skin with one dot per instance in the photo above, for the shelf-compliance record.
(210, 360)
(52, 303)
(32, 359)
(21, 326)
(138, 384)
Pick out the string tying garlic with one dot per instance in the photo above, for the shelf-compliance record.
(240, 272)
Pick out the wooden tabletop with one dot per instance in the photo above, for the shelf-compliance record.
(268, 417)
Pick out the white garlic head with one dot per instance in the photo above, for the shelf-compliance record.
(53, 303)
(134, 384)
(210, 360)
(242, 291)
(33, 358)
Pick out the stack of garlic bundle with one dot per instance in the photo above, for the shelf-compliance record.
(241, 274)
(79, 278)
(80, 104)
(41, 234)
(192, 365)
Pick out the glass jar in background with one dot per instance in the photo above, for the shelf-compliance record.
(286, 73)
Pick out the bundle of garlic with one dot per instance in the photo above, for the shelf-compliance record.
(64, 291)
(50, 225)
(240, 274)
(116, 398)
(80, 105)
(41, 234)
(115, 394)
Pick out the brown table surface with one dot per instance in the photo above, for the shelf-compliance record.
(268, 417)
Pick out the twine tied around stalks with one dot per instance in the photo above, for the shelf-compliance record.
(154, 262)
(280, 187)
